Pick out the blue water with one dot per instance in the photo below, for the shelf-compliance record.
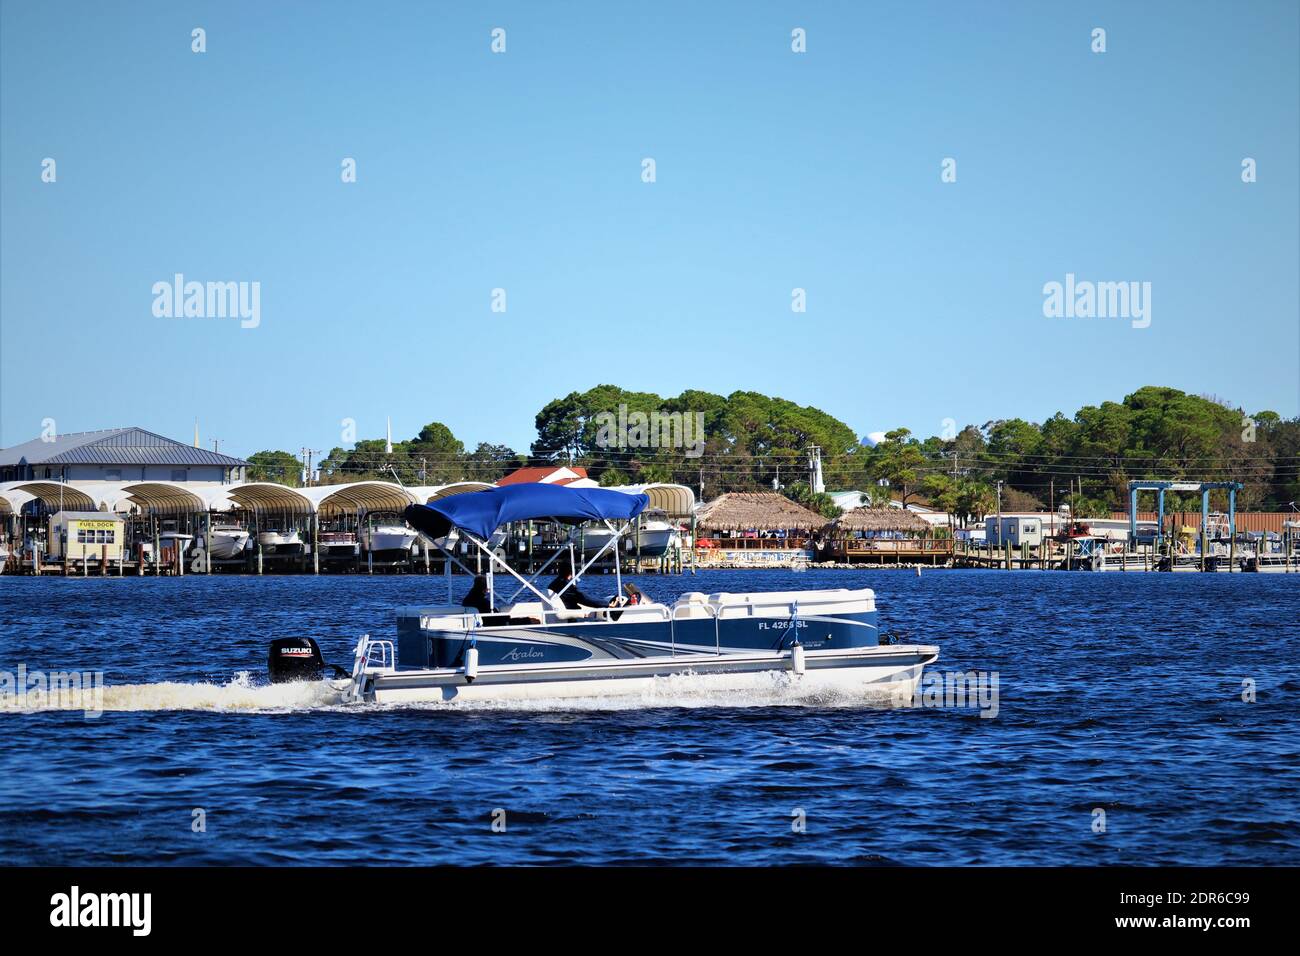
(1119, 693)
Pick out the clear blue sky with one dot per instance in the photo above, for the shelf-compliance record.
(522, 171)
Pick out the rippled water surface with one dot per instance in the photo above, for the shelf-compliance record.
(1117, 693)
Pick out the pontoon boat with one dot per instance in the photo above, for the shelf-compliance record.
(530, 645)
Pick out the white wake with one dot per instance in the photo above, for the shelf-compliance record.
(240, 695)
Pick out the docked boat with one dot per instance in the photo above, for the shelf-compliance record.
(1088, 553)
(1179, 561)
(654, 538)
(337, 545)
(532, 644)
(1123, 560)
(388, 542)
(283, 541)
(1272, 564)
(228, 541)
(1277, 554)
(171, 545)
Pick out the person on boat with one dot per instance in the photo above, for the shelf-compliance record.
(478, 597)
(634, 596)
(573, 598)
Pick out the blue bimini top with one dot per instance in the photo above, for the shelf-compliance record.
(482, 512)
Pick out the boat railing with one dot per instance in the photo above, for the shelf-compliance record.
(710, 609)
(371, 657)
(380, 656)
(600, 614)
(753, 543)
(891, 545)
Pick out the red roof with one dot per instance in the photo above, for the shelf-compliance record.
(522, 475)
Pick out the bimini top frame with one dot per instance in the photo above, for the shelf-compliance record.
(477, 514)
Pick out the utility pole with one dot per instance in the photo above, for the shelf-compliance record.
(1051, 502)
(307, 454)
(999, 512)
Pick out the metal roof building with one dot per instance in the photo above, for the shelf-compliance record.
(116, 454)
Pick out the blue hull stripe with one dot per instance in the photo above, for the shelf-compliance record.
(565, 643)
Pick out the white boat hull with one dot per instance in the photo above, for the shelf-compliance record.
(385, 539)
(338, 547)
(228, 544)
(877, 674)
(277, 539)
(655, 541)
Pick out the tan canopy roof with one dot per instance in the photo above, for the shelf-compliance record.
(12, 500)
(756, 511)
(426, 493)
(268, 496)
(880, 519)
(168, 497)
(677, 501)
(359, 496)
(56, 494)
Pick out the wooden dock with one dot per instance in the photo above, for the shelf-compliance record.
(934, 552)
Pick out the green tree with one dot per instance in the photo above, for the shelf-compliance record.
(277, 466)
(898, 459)
(975, 499)
(435, 456)
(944, 492)
(816, 501)
(490, 462)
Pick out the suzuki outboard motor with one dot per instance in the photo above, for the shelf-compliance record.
(294, 658)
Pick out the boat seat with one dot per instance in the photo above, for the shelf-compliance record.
(559, 612)
(691, 605)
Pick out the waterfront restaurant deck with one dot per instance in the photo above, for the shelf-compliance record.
(755, 529)
(884, 536)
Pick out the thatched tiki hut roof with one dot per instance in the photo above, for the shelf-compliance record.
(879, 520)
(756, 511)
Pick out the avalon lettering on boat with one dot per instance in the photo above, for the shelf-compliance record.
(517, 653)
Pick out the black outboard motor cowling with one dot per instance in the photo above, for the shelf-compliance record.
(294, 658)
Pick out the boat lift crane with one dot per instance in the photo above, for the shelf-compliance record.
(1160, 487)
